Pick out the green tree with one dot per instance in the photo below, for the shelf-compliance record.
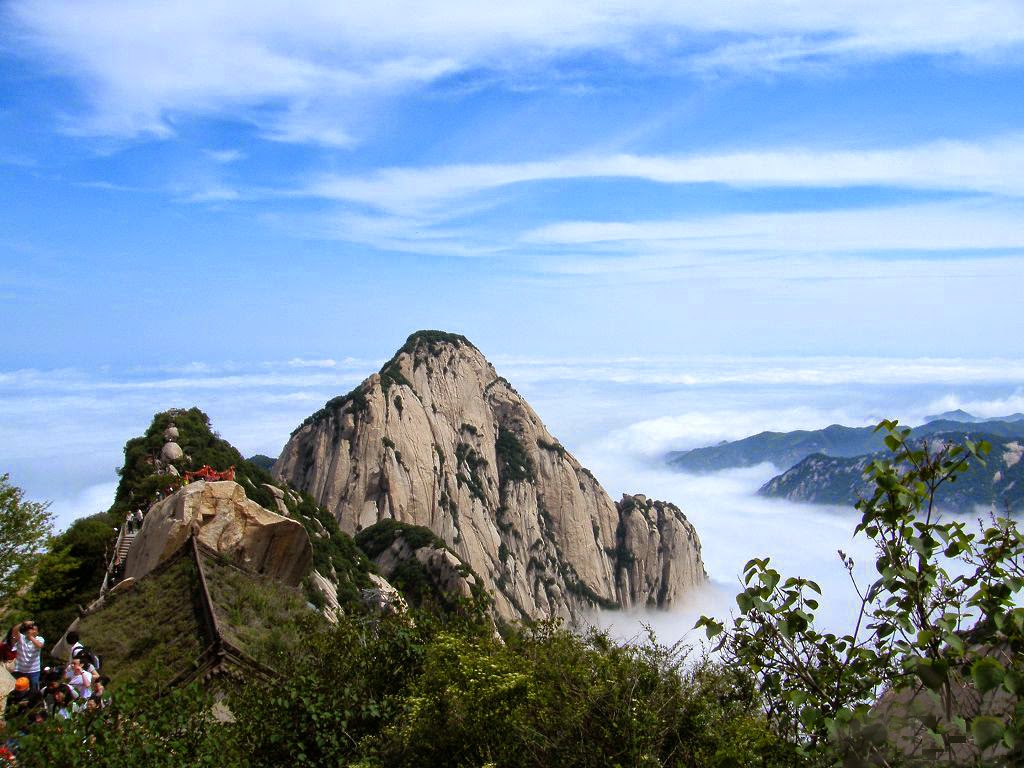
(932, 664)
(25, 528)
(69, 575)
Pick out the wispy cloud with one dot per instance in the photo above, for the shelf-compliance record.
(412, 208)
(298, 73)
(746, 245)
(955, 226)
(994, 165)
(225, 156)
(213, 193)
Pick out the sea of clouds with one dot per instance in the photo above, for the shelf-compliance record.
(64, 430)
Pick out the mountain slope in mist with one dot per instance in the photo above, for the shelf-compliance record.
(786, 449)
(821, 479)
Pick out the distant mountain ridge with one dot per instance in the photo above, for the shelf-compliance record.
(821, 479)
(963, 416)
(785, 449)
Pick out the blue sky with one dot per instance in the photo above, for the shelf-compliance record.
(249, 208)
(601, 178)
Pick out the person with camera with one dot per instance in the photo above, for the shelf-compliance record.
(78, 679)
(29, 648)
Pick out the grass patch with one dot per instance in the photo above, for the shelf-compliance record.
(256, 615)
(152, 632)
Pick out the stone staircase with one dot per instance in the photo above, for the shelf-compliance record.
(124, 543)
(124, 546)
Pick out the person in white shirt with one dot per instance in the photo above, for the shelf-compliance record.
(30, 648)
(62, 702)
(73, 642)
(79, 680)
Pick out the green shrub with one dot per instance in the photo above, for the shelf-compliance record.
(514, 463)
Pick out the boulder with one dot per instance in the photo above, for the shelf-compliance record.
(225, 520)
(171, 452)
(278, 495)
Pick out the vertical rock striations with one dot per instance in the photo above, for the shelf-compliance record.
(438, 439)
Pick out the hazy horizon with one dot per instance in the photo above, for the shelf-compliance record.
(617, 416)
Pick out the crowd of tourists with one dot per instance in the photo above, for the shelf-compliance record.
(72, 685)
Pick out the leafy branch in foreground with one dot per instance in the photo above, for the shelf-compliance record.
(25, 528)
(931, 668)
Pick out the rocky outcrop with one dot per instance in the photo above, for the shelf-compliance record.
(659, 552)
(438, 439)
(329, 592)
(442, 569)
(226, 521)
(382, 597)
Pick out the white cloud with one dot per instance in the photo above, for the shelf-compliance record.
(982, 407)
(88, 501)
(995, 165)
(225, 156)
(418, 235)
(734, 525)
(313, 63)
(409, 206)
(213, 193)
(955, 226)
(768, 371)
(298, 362)
(652, 438)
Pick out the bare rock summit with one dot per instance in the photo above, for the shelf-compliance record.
(438, 439)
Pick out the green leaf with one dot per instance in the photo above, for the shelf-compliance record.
(932, 674)
(744, 601)
(986, 731)
(711, 627)
(987, 674)
(1013, 682)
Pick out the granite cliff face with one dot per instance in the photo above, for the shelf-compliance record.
(438, 439)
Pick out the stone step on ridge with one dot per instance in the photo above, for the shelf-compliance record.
(126, 544)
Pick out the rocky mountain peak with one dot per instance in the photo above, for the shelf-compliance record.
(438, 439)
